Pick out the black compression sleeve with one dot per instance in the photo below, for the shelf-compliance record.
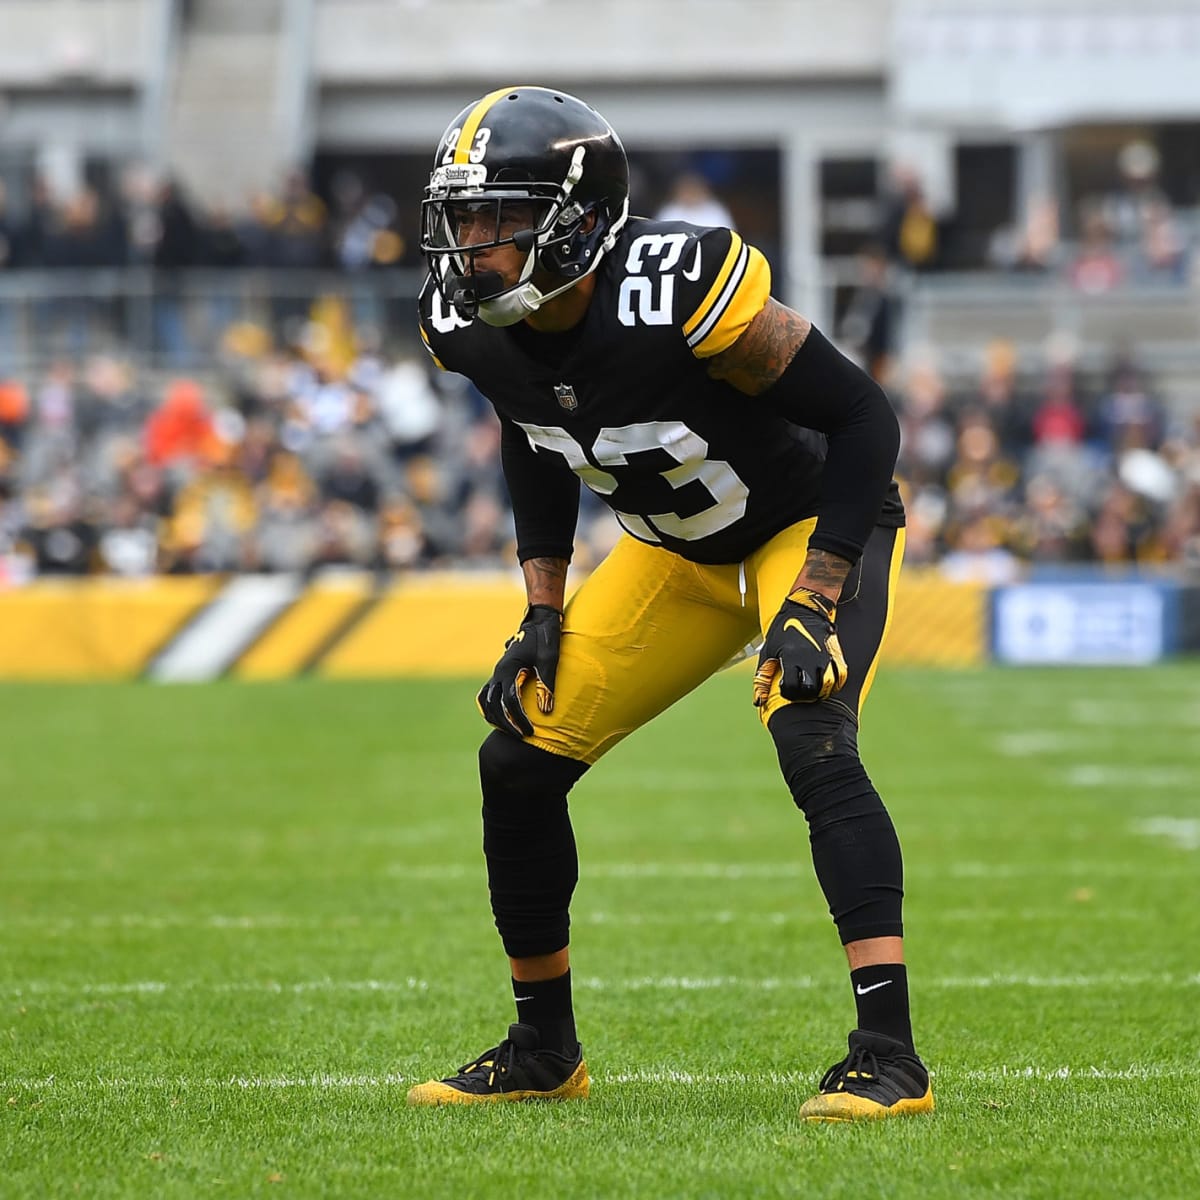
(545, 496)
(822, 389)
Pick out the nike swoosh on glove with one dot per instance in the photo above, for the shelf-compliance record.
(802, 650)
(532, 650)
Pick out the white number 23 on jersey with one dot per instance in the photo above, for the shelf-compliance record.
(612, 448)
(647, 294)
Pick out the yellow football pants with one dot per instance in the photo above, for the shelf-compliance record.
(648, 626)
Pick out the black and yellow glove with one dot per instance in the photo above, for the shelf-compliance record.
(801, 649)
(532, 650)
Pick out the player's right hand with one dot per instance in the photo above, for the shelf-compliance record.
(532, 650)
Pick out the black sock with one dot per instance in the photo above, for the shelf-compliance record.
(881, 995)
(546, 1005)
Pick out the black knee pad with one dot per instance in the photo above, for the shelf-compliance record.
(528, 842)
(817, 746)
(854, 846)
(511, 767)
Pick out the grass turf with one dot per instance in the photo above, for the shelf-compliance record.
(237, 921)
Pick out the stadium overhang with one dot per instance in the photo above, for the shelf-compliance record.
(1043, 64)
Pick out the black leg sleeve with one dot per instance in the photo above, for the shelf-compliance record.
(528, 843)
(854, 846)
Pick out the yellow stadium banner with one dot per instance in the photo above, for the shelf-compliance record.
(937, 623)
(349, 625)
(94, 628)
(299, 638)
(436, 624)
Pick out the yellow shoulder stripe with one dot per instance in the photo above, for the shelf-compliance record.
(425, 339)
(471, 126)
(735, 248)
(741, 290)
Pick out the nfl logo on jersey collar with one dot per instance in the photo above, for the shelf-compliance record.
(566, 396)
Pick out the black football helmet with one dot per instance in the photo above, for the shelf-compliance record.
(523, 166)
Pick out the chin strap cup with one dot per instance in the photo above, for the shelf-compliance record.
(467, 293)
(512, 307)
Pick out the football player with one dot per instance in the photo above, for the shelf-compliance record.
(750, 465)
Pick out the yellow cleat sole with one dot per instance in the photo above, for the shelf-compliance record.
(839, 1108)
(435, 1093)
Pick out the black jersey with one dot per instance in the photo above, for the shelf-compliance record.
(625, 402)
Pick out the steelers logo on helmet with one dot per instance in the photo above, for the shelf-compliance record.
(530, 168)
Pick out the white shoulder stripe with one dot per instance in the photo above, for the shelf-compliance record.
(730, 290)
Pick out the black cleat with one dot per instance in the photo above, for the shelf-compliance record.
(514, 1070)
(879, 1078)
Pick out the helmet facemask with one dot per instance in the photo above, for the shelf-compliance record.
(538, 218)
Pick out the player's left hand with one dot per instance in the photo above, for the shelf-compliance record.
(802, 650)
(532, 650)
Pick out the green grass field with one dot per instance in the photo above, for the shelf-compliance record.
(237, 921)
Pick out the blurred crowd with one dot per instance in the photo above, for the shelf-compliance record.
(331, 452)
(140, 219)
(1047, 462)
(301, 441)
(1055, 465)
(1127, 233)
(327, 453)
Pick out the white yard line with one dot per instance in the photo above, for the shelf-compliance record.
(1089, 775)
(1112, 717)
(666, 983)
(990, 1074)
(266, 922)
(1026, 743)
(152, 987)
(153, 921)
(646, 1077)
(1181, 832)
(686, 983)
(234, 1082)
(799, 868)
(1069, 867)
(1069, 910)
(630, 870)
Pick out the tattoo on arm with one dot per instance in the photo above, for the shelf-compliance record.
(823, 572)
(762, 353)
(545, 581)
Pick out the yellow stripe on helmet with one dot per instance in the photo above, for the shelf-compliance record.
(466, 138)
